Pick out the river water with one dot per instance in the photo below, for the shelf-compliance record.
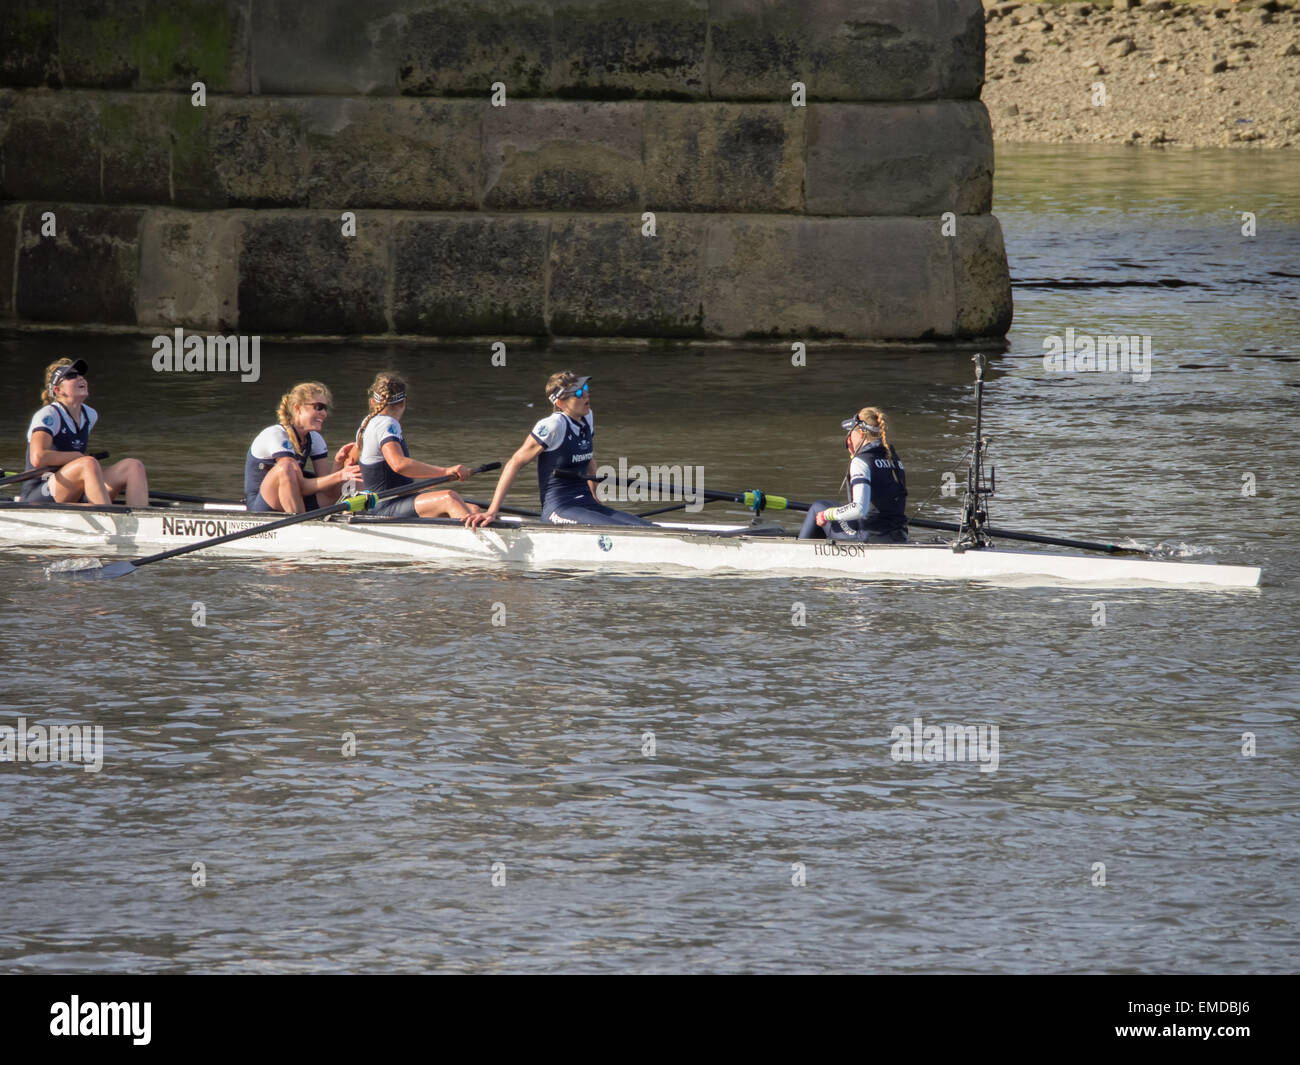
(519, 752)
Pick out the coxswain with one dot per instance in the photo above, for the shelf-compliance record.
(386, 461)
(564, 445)
(275, 468)
(58, 437)
(875, 513)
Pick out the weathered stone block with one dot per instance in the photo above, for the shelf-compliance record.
(299, 274)
(899, 159)
(562, 156)
(196, 178)
(135, 144)
(417, 154)
(622, 48)
(30, 32)
(846, 49)
(10, 235)
(983, 285)
(327, 46)
(49, 146)
(719, 157)
(609, 280)
(459, 276)
(874, 278)
(459, 48)
(87, 272)
(184, 41)
(188, 270)
(98, 42)
(256, 150)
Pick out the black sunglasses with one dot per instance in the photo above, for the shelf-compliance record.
(321, 406)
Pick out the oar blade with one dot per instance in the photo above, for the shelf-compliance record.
(89, 569)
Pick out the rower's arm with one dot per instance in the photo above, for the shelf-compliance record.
(591, 476)
(44, 455)
(409, 467)
(528, 451)
(859, 495)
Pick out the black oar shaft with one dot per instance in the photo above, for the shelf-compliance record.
(176, 497)
(506, 510)
(949, 526)
(1033, 538)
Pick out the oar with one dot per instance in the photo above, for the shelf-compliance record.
(40, 471)
(354, 503)
(175, 497)
(1033, 538)
(506, 510)
(781, 503)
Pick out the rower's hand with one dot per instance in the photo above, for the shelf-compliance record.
(483, 517)
(342, 456)
(821, 518)
(461, 472)
(352, 472)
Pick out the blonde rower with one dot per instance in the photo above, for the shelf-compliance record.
(386, 461)
(275, 468)
(59, 436)
(875, 512)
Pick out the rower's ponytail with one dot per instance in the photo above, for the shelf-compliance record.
(307, 392)
(387, 388)
(875, 422)
(47, 393)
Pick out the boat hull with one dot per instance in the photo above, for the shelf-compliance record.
(120, 531)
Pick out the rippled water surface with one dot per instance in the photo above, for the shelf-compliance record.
(522, 744)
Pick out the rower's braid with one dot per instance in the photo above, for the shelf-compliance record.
(876, 421)
(307, 392)
(382, 389)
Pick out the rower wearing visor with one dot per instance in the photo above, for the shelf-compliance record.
(875, 513)
(275, 467)
(564, 445)
(59, 436)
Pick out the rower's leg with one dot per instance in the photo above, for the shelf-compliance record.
(281, 488)
(444, 505)
(129, 475)
(811, 530)
(80, 477)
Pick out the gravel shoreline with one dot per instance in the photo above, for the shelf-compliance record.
(1176, 75)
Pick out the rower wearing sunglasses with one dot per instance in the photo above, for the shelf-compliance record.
(275, 468)
(564, 445)
(875, 513)
(58, 437)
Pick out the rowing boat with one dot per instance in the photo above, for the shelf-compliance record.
(671, 549)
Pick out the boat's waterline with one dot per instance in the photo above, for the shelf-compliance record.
(669, 551)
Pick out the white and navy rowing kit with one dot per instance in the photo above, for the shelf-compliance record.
(378, 475)
(562, 472)
(65, 435)
(271, 445)
(876, 511)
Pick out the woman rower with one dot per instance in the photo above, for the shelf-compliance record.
(59, 435)
(875, 513)
(386, 462)
(275, 468)
(566, 470)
